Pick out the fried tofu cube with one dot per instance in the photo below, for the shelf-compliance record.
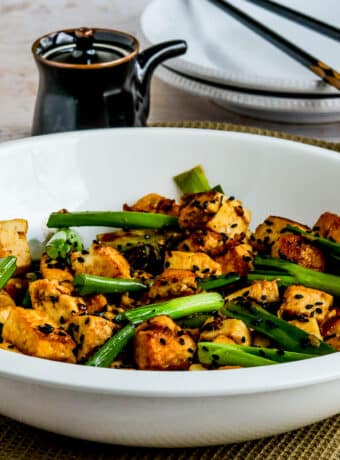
(160, 344)
(6, 300)
(297, 250)
(219, 329)
(173, 283)
(4, 312)
(96, 303)
(328, 226)
(216, 212)
(330, 328)
(152, 202)
(211, 243)
(309, 325)
(9, 347)
(16, 288)
(55, 300)
(52, 269)
(13, 242)
(197, 262)
(301, 302)
(89, 332)
(35, 333)
(238, 259)
(261, 291)
(270, 230)
(101, 261)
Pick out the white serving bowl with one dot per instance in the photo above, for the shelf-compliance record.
(103, 169)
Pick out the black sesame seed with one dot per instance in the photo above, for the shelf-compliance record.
(181, 341)
(204, 348)
(318, 303)
(233, 225)
(80, 259)
(162, 341)
(298, 296)
(215, 357)
(309, 306)
(243, 339)
(318, 310)
(46, 328)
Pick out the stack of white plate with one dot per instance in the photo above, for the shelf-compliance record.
(231, 65)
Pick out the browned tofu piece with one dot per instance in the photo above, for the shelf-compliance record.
(328, 226)
(219, 329)
(13, 242)
(152, 202)
(55, 300)
(9, 347)
(212, 243)
(6, 300)
(4, 312)
(101, 261)
(270, 230)
(173, 283)
(95, 303)
(309, 325)
(35, 333)
(160, 344)
(197, 262)
(16, 288)
(297, 250)
(89, 332)
(238, 259)
(52, 269)
(330, 328)
(216, 212)
(261, 291)
(300, 302)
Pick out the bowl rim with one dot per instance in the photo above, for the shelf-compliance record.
(171, 384)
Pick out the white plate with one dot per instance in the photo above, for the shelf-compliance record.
(102, 170)
(262, 106)
(223, 50)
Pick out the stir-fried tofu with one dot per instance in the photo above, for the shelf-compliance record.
(55, 300)
(152, 202)
(4, 312)
(309, 325)
(173, 283)
(302, 303)
(197, 262)
(270, 231)
(330, 328)
(56, 270)
(238, 259)
(224, 330)
(328, 226)
(6, 300)
(160, 344)
(16, 288)
(214, 211)
(96, 303)
(101, 260)
(9, 347)
(35, 333)
(206, 241)
(297, 250)
(89, 332)
(13, 242)
(261, 291)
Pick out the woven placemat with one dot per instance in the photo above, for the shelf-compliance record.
(320, 441)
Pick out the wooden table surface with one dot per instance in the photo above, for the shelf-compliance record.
(21, 21)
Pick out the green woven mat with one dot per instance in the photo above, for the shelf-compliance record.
(320, 441)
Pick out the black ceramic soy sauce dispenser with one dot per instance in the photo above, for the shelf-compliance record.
(95, 78)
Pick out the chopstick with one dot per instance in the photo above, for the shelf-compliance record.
(321, 69)
(300, 18)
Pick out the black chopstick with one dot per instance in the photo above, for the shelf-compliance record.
(324, 71)
(300, 18)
